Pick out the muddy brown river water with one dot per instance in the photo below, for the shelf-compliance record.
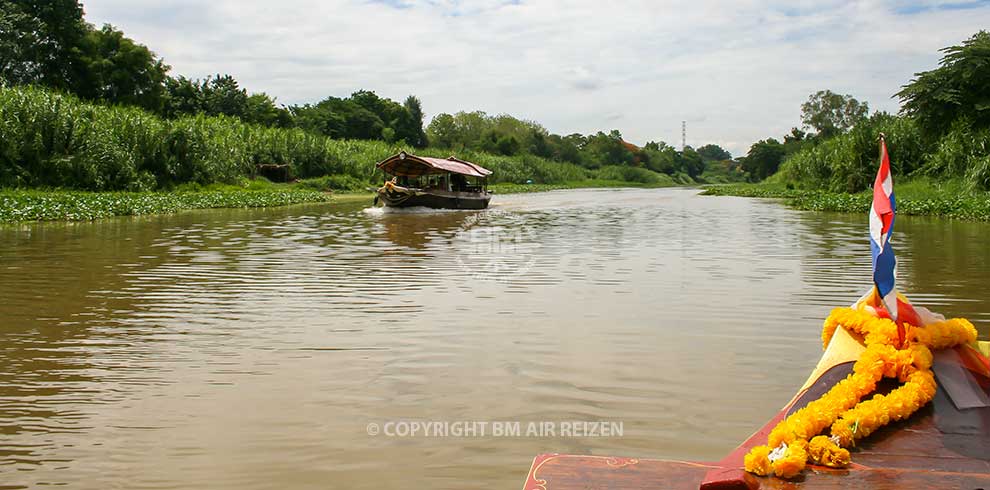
(289, 348)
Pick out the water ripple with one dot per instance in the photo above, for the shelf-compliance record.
(232, 348)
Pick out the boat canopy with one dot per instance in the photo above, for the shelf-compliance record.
(408, 165)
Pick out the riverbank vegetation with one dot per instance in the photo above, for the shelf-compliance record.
(919, 197)
(939, 145)
(67, 205)
(88, 109)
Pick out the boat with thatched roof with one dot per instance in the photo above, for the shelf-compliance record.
(440, 183)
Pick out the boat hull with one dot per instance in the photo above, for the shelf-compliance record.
(940, 446)
(573, 471)
(436, 199)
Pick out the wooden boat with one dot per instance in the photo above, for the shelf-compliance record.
(440, 183)
(943, 444)
(946, 444)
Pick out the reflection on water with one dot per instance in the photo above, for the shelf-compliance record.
(251, 348)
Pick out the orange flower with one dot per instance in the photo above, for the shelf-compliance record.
(793, 461)
(823, 451)
(840, 407)
(757, 462)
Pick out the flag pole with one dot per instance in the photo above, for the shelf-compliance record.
(882, 139)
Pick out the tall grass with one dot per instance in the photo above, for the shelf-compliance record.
(848, 162)
(922, 196)
(52, 140)
(634, 174)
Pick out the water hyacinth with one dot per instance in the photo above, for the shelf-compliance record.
(19, 206)
(924, 199)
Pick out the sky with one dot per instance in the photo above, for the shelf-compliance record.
(735, 71)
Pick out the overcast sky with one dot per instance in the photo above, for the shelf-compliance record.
(736, 71)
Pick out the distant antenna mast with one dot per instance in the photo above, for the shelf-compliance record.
(683, 135)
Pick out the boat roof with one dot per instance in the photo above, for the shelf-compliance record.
(408, 165)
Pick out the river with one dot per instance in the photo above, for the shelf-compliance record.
(274, 348)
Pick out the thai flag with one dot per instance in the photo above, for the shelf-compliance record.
(881, 229)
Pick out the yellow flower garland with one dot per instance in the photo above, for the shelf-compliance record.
(841, 409)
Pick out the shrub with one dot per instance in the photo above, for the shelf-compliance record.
(49, 139)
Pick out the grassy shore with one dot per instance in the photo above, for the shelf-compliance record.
(920, 197)
(507, 188)
(68, 205)
(62, 205)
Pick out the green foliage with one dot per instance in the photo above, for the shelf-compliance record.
(944, 132)
(582, 184)
(919, 197)
(713, 152)
(261, 109)
(18, 206)
(796, 141)
(19, 35)
(222, 96)
(661, 157)
(333, 183)
(409, 125)
(958, 89)
(723, 172)
(763, 159)
(502, 134)
(830, 113)
(54, 140)
(848, 163)
(522, 168)
(364, 115)
(48, 43)
(633, 174)
(602, 149)
(509, 136)
(120, 71)
(43, 45)
(692, 163)
(962, 152)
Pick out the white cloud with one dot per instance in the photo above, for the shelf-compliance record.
(737, 72)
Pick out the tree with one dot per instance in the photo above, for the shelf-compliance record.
(795, 141)
(221, 95)
(182, 96)
(565, 149)
(344, 118)
(43, 44)
(605, 149)
(692, 163)
(442, 130)
(661, 157)
(713, 152)
(360, 123)
(541, 146)
(261, 109)
(408, 122)
(319, 118)
(763, 159)
(831, 114)
(19, 34)
(958, 88)
(120, 71)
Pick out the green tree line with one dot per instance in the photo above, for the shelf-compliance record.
(50, 45)
(506, 135)
(942, 131)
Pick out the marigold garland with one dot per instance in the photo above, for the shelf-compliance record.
(841, 408)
